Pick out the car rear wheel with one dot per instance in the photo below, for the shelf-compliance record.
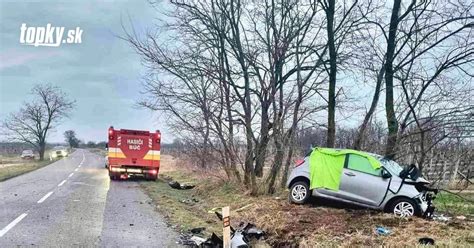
(299, 192)
(404, 207)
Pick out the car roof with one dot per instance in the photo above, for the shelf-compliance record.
(377, 156)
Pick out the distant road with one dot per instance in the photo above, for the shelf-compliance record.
(72, 202)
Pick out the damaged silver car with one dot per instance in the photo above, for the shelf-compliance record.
(390, 188)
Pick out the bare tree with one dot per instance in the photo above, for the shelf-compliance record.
(71, 139)
(238, 79)
(226, 76)
(33, 122)
(416, 33)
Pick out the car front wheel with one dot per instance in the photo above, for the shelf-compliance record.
(299, 192)
(404, 208)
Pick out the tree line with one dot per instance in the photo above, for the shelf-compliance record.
(239, 78)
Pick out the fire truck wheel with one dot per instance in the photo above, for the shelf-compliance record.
(113, 177)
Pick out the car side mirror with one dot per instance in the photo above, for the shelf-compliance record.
(386, 174)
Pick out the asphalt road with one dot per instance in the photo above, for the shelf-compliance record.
(72, 202)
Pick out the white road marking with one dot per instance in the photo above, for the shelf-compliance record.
(63, 182)
(45, 197)
(70, 175)
(12, 224)
(76, 169)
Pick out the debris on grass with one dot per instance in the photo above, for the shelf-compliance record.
(441, 218)
(213, 210)
(426, 241)
(243, 208)
(177, 185)
(190, 201)
(316, 224)
(380, 230)
(191, 240)
(461, 217)
(197, 230)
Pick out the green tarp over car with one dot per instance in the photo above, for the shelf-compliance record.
(326, 165)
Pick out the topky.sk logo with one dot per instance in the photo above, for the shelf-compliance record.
(49, 36)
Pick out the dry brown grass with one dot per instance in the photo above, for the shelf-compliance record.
(310, 226)
(289, 225)
(8, 171)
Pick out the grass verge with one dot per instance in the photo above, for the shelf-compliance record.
(289, 225)
(461, 204)
(19, 169)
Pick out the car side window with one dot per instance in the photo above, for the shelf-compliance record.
(362, 164)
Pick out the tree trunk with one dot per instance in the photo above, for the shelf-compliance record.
(286, 169)
(277, 163)
(331, 133)
(292, 131)
(261, 147)
(361, 134)
(421, 161)
(41, 150)
(233, 168)
(392, 121)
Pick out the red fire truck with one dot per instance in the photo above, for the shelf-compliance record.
(133, 152)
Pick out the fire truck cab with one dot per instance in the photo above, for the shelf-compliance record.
(133, 152)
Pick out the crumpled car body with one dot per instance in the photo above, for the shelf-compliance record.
(381, 189)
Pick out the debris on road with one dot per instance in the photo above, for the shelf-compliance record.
(176, 185)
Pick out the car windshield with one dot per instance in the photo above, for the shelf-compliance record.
(391, 165)
(27, 152)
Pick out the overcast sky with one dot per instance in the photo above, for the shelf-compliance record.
(102, 74)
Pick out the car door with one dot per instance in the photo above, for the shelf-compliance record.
(361, 183)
